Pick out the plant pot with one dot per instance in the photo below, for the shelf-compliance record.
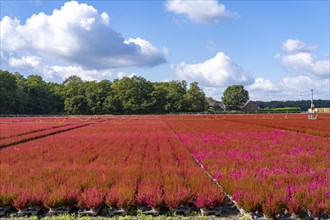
(182, 210)
(212, 211)
(4, 210)
(147, 210)
(90, 211)
(60, 210)
(117, 211)
(33, 210)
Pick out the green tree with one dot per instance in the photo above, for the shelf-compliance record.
(57, 97)
(22, 97)
(132, 95)
(96, 93)
(74, 92)
(168, 96)
(76, 105)
(39, 95)
(8, 87)
(194, 99)
(234, 97)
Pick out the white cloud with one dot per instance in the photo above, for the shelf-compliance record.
(121, 75)
(25, 62)
(214, 92)
(289, 88)
(295, 45)
(198, 11)
(264, 85)
(299, 58)
(76, 34)
(35, 65)
(64, 72)
(218, 71)
(301, 83)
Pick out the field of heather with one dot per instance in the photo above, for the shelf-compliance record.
(272, 165)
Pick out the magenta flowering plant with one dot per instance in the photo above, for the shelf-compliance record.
(62, 197)
(91, 199)
(149, 195)
(208, 201)
(27, 199)
(7, 195)
(120, 196)
(112, 197)
(178, 198)
(126, 198)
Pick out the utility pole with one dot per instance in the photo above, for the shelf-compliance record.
(312, 104)
(312, 115)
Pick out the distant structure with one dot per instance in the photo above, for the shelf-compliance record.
(319, 110)
(312, 115)
(248, 106)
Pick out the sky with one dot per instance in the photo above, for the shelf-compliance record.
(279, 50)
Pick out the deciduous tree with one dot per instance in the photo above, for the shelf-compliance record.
(234, 97)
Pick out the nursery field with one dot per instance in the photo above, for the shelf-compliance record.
(276, 166)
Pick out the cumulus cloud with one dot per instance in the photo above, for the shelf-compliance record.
(263, 85)
(295, 45)
(25, 61)
(35, 65)
(218, 71)
(199, 11)
(300, 83)
(121, 75)
(299, 58)
(64, 72)
(77, 34)
(289, 88)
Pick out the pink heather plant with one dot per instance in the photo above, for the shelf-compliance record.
(179, 198)
(152, 197)
(61, 197)
(27, 199)
(7, 195)
(209, 198)
(205, 200)
(91, 199)
(121, 197)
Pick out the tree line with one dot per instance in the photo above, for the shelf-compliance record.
(32, 95)
(304, 105)
(136, 95)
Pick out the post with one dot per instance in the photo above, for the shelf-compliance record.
(312, 104)
(312, 115)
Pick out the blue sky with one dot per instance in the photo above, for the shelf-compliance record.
(278, 50)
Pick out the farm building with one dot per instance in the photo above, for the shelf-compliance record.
(248, 106)
(320, 110)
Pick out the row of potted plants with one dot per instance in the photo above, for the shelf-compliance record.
(120, 164)
(265, 169)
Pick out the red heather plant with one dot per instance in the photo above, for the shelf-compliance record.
(61, 197)
(273, 204)
(150, 196)
(121, 197)
(209, 201)
(7, 194)
(178, 198)
(112, 197)
(317, 208)
(91, 199)
(126, 198)
(27, 199)
(294, 206)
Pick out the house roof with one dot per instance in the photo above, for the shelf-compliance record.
(246, 103)
(223, 106)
